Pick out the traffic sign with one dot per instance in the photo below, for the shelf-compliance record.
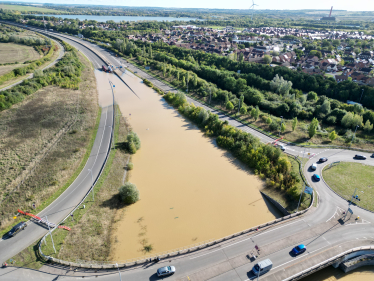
(308, 190)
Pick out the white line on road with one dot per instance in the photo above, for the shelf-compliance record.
(242, 241)
(326, 240)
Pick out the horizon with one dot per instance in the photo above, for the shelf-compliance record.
(290, 5)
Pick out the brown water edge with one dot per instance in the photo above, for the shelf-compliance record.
(190, 190)
(364, 273)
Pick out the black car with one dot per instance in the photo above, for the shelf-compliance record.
(17, 228)
(323, 159)
(359, 156)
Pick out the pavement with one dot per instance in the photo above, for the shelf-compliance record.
(325, 230)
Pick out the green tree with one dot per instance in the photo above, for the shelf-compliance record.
(333, 136)
(312, 96)
(129, 193)
(150, 51)
(243, 110)
(326, 107)
(229, 106)
(255, 113)
(283, 127)
(313, 126)
(178, 75)
(294, 124)
(368, 126)
(269, 120)
(267, 59)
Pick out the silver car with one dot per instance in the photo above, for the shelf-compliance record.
(165, 271)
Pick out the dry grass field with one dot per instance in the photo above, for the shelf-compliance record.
(10, 53)
(42, 143)
(26, 8)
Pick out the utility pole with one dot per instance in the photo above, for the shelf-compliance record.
(50, 233)
(301, 194)
(280, 126)
(119, 272)
(210, 95)
(361, 95)
(92, 186)
(354, 135)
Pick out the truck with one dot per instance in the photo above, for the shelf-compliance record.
(104, 68)
(110, 70)
(262, 267)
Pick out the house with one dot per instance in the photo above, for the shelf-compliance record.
(365, 55)
(340, 78)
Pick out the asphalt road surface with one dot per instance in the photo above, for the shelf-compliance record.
(321, 229)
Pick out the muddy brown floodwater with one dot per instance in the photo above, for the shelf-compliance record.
(365, 273)
(190, 190)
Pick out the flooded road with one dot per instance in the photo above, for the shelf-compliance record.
(190, 190)
(365, 273)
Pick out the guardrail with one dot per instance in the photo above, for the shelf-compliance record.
(325, 263)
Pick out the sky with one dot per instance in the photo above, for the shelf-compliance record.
(356, 5)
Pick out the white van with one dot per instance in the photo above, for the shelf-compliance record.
(314, 166)
(262, 267)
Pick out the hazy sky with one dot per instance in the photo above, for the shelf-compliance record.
(355, 5)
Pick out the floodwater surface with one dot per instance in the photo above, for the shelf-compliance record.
(365, 273)
(190, 190)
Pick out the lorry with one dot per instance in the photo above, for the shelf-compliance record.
(262, 267)
(110, 70)
(104, 68)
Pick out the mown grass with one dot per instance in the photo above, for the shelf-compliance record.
(28, 128)
(10, 53)
(27, 8)
(345, 177)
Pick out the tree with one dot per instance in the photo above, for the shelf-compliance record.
(150, 51)
(267, 59)
(255, 113)
(326, 107)
(368, 126)
(129, 193)
(333, 136)
(312, 96)
(283, 127)
(243, 110)
(241, 57)
(294, 124)
(229, 106)
(313, 126)
(133, 142)
(351, 120)
(269, 120)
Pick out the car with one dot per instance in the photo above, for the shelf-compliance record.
(281, 147)
(165, 271)
(323, 159)
(17, 228)
(314, 166)
(316, 177)
(372, 156)
(299, 249)
(359, 156)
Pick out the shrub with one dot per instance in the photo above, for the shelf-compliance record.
(129, 193)
(133, 142)
(130, 166)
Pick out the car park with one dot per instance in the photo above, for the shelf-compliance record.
(262, 267)
(323, 159)
(314, 166)
(165, 271)
(316, 177)
(359, 156)
(17, 228)
(299, 249)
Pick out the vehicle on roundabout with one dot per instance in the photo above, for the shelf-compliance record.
(316, 177)
(359, 156)
(165, 271)
(314, 166)
(299, 249)
(323, 159)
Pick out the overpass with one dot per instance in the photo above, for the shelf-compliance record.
(328, 238)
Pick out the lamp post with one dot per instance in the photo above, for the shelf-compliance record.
(354, 135)
(280, 126)
(119, 272)
(361, 95)
(50, 233)
(93, 195)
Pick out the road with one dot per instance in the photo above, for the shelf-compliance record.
(320, 229)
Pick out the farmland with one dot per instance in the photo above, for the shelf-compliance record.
(26, 8)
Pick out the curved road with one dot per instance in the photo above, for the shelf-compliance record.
(321, 229)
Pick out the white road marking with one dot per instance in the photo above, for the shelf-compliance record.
(326, 240)
(241, 241)
(337, 211)
(362, 222)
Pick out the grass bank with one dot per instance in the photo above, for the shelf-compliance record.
(345, 177)
(45, 144)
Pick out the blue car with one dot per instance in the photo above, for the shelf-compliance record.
(316, 177)
(299, 249)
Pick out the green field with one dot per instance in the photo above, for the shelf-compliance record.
(345, 177)
(27, 8)
(11, 53)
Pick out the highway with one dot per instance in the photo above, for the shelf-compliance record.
(320, 229)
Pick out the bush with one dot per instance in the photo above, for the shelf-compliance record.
(133, 142)
(130, 166)
(129, 193)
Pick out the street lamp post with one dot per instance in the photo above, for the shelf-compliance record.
(361, 95)
(93, 195)
(280, 126)
(354, 135)
(119, 272)
(50, 233)
(210, 95)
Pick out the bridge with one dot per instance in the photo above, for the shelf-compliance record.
(331, 237)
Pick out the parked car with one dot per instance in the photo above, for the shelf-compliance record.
(17, 228)
(359, 156)
(262, 267)
(316, 177)
(314, 166)
(299, 249)
(323, 159)
(282, 147)
(165, 271)
(372, 155)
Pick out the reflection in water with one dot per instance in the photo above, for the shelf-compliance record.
(364, 273)
(190, 190)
